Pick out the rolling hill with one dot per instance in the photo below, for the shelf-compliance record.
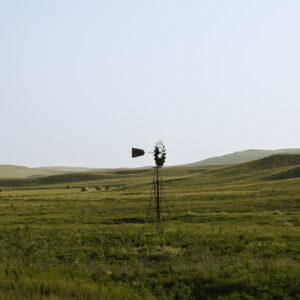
(241, 156)
(275, 167)
(66, 169)
(11, 171)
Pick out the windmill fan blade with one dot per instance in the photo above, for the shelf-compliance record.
(135, 152)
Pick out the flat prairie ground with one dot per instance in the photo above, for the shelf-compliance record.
(232, 233)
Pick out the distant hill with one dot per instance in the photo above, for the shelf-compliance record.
(274, 163)
(67, 169)
(275, 167)
(11, 171)
(241, 157)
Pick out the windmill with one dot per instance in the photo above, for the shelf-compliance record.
(157, 190)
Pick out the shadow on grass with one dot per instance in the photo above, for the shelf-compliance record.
(132, 221)
(125, 220)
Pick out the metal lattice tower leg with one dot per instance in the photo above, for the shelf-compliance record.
(157, 195)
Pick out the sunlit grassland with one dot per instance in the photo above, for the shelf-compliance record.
(232, 234)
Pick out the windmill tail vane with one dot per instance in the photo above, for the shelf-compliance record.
(135, 152)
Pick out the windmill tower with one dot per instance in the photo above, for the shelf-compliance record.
(157, 191)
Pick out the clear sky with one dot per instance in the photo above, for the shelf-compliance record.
(81, 82)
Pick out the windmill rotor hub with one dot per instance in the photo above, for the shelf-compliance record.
(160, 154)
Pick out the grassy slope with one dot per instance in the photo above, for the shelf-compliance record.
(67, 169)
(10, 171)
(233, 233)
(242, 156)
(268, 168)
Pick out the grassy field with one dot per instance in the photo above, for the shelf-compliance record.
(233, 233)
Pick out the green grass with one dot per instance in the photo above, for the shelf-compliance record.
(233, 233)
(10, 171)
(242, 156)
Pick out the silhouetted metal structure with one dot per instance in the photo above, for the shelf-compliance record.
(157, 190)
(135, 152)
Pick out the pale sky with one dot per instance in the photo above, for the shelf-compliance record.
(81, 82)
